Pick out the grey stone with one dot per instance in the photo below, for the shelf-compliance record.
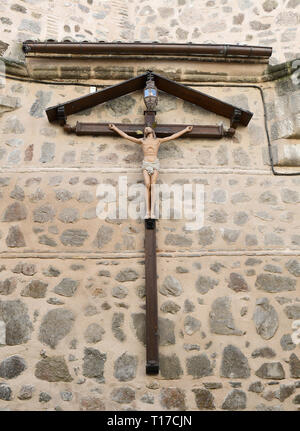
(191, 325)
(121, 106)
(91, 404)
(189, 307)
(273, 268)
(240, 218)
(43, 214)
(63, 195)
(230, 235)
(85, 196)
(15, 238)
(237, 283)
(13, 125)
(256, 387)
(26, 392)
(147, 399)
(74, 237)
(294, 364)
(286, 342)
(268, 198)
(269, 5)
(12, 367)
(178, 240)
(55, 181)
(51, 271)
(271, 370)
(289, 196)
(42, 101)
(264, 408)
(30, 26)
(94, 333)
(293, 266)
(66, 287)
(170, 367)
(204, 399)
(296, 400)
(234, 364)
(66, 395)
(25, 268)
(69, 157)
(206, 236)
(35, 289)
(222, 155)
(170, 151)
(117, 322)
(166, 332)
(216, 267)
(271, 239)
(125, 367)
(124, 395)
(53, 369)
(219, 196)
(218, 216)
(15, 212)
(221, 319)
(5, 392)
(256, 25)
(46, 240)
(55, 325)
(199, 366)
(170, 307)
(235, 400)
(104, 236)
(55, 301)
(240, 198)
(8, 286)
(90, 181)
(172, 399)
(292, 311)
(127, 274)
(263, 352)
(119, 292)
(285, 391)
(170, 287)
(265, 319)
(93, 363)
(69, 215)
(205, 283)
(17, 193)
(47, 152)
(2, 333)
(275, 283)
(38, 195)
(16, 318)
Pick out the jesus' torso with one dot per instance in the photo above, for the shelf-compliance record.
(150, 147)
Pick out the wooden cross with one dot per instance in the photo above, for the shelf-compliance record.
(237, 117)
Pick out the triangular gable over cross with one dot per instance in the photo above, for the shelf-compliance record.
(237, 116)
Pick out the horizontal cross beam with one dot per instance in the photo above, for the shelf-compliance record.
(136, 130)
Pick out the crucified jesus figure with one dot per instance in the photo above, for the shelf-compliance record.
(150, 145)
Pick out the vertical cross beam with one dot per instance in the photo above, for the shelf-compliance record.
(152, 361)
(152, 364)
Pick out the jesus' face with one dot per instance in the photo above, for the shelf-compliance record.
(148, 131)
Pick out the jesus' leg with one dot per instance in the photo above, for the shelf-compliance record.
(153, 182)
(147, 181)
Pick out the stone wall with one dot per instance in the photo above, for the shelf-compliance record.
(72, 287)
(269, 22)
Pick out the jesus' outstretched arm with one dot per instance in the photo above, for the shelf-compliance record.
(176, 135)
(123, 134)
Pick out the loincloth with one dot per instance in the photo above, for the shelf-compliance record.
(150, 166)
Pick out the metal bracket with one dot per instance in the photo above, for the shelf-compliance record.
(152, 367)
(236, 118)
(150, 223)
(61, 115)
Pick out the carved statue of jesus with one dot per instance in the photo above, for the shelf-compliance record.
(150, 145)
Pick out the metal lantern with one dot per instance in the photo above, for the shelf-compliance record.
(150, 93)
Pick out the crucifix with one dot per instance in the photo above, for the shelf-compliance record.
(154, 136)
